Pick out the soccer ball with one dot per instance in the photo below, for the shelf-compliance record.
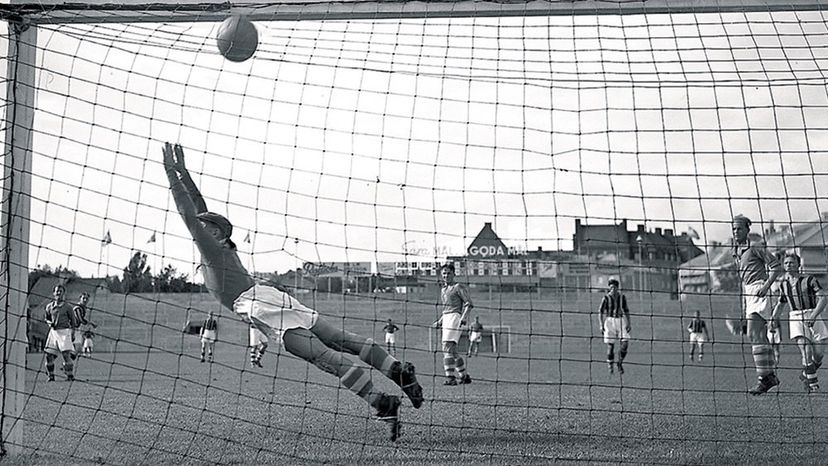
(237, 38)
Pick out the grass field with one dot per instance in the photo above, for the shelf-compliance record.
(549, 400)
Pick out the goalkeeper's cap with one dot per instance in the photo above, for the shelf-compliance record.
(218, 220)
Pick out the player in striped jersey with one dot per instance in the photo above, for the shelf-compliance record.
(457, 303)
(753, 262)
(302, 331)
(698, 335)
(806, 300)
(209, 335)
(614, 319)
(62, 324)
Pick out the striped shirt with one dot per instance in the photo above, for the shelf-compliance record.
(60, 316)
(80, 314)
(210, 324)
(614, 305)
(455, 297)
(697, 326)
(800, 292)
(753, 262)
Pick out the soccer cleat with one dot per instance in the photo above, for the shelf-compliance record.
(701, 357)
(258, 363)
(691, 357)
(812, 388)
(450, 381)
(51, 378)
(70, 378)
(620, 368)
(406, 378)
(764, 384)
(465, 380)
(202, 358)
(611, 367)
(389, 411)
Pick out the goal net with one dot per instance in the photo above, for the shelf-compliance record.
(541, 155)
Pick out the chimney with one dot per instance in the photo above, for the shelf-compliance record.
(540, 248)
(640, 229)
(487, 225)
(658, 231)
(668, 232)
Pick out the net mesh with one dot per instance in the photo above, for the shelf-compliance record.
(355, 156)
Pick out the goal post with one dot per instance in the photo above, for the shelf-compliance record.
(16, 206)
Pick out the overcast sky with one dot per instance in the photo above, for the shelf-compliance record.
(359, 137)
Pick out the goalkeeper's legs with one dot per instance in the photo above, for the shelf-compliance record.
(372, 354)
(304, 344)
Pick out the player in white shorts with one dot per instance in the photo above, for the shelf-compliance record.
(475, 337)
(698, 335)
(62, 323)
(302, 331)
(753, 262)
(456, 306)
(258, 345)
(806, 299)
(209, 335)
(391, 336)
(614, 319)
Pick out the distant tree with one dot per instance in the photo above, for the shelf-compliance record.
(170, 281)
(137, 276)
(47, 271)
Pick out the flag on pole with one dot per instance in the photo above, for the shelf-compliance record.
(151, 238)
(691, 232)
(247, 238)
(106, 239)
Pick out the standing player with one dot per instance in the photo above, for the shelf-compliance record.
(614, 318)
(258, 345)
(62, 324)
(390, 337)
(753, 261)
(209, 335)
(456, 306)
(698, 335)
(475, 336)
(303, 332)
(80, 310)
(806, 300)
(88, 342)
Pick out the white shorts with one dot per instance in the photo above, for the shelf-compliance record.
(756, 305)
(87, 344)
(697, 337)
(451, 327)
(269, 307)
(615, 328)
(476, 337)
(208, 336)
(59, 341)
(390, 339)
(257, 337)
(797, 326)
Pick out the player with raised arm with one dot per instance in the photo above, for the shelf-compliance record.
(390, 336)
(475, 336)
(258, 345)
(806, 300)
(753, 262)
(303, 332)
(457, 303)
(698, 335)
(209, 335)
(614, 319)
(62, 324)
